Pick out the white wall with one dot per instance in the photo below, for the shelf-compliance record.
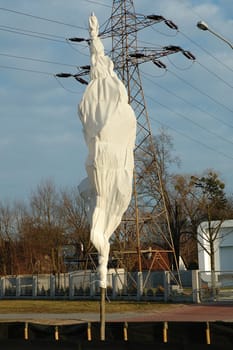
(223, 246)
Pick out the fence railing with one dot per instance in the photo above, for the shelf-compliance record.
(158, 285)
(187, 286)
(216, 286)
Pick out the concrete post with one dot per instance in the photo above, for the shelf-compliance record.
(52, 286)
(114, 285)
(139, 285)
(17, 282)
(166, 281)
(196, 286)
(92, 284)
(2, 287)
(34, 286)
(71, 287)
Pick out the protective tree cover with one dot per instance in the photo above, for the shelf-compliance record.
(109, 127)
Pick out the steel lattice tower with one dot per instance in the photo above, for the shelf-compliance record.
(124, 27)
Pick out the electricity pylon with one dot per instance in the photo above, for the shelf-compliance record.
(143, 216)
(123, 27)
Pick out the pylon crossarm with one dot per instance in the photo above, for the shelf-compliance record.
(139, 22)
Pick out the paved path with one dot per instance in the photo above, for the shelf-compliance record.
(177, 313)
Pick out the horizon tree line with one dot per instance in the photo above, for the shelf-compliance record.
(33, 236)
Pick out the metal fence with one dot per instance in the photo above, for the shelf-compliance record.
(187, 286)
(216, 286)
(158, 286)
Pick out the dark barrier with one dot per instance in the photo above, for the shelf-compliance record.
(119, 336)
(222, 333)
(61, 345)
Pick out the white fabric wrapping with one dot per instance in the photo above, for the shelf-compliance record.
(109, 127)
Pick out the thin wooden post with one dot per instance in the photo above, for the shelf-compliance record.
(26, 331)
(56, 333)
(165, 327)
(89, 331)
(102, 313)
(208, 333)
(125, 331)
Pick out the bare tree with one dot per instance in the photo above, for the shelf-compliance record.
(47, 224)
(8, 239)
(76, 225)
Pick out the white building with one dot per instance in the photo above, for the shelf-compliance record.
(223, 245)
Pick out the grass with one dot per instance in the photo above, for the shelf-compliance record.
(64, 306)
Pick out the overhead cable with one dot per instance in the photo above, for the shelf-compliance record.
(23, 30)
(181, 115)
(192, 138)
(206, 51)
(26, 70)
(186, 101)
(40, 18)
(201, 92)
(32, 35)
(97, 3)
(36, 60)
(187, 136)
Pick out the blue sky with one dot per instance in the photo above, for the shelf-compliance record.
(40, 133)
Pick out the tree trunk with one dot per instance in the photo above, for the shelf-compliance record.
(212, 268)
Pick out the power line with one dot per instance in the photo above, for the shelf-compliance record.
(181, 68)
(165, 34)
(194, 122)
(38, 35)
(214, 74)
(201, 92)
(41, 35)
(186, 101)
(44, 37)
(206, 51)
(32, 35)
(36, 60)
(42, 73)
(97, 3)
(200, 47)
(185, 135)
(17, 29)
(26, 70)
(40, 18)
(190, 137)
(204, 67)
(65, 88)
(83, 70)
(59, 22)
